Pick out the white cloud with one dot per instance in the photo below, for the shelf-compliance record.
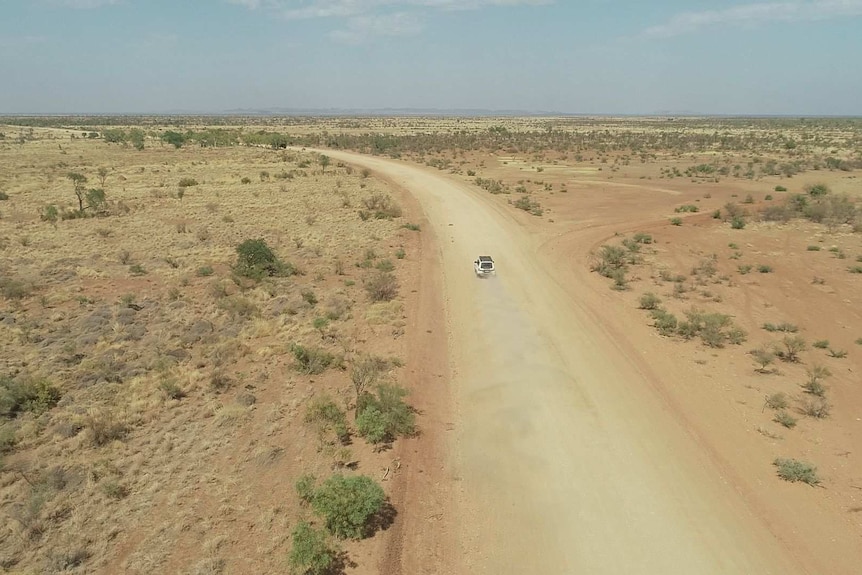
(752, 14)
(297, 9)
(360, 28)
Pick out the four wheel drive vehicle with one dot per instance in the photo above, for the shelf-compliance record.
(484, 266)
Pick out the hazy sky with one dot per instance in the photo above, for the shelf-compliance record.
(584, 56)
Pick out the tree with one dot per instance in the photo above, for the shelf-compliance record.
(347, 504)
(103, 175)
(78, 180)
(174, 138)
(324, 161)
(136, 137)
(96, 199)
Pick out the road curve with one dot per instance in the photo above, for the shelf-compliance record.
(566, 458)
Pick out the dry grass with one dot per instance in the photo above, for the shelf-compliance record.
(170, 367)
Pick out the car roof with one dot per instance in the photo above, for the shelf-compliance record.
(485, 258)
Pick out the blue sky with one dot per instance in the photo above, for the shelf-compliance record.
(798, 57)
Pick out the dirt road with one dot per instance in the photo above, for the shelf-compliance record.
(567, 459)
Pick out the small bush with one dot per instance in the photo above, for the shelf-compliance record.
(411, 227)
(821, 344)
(137, 270)
(187, 182)
(15, 289)
(382, 286)
(309, 297)
(737, 222)
(327, 416)
(311, 360)
(310, 554)
(104, 427)
(676, 221)
(855, 269)
(347, 504)
(792, 347)
(817, 408)
(205, 271)
(764, 269)
(665, 322)
(609, 259)
(794, 470)
(171, 389)
(649, 301)
(764, 357)
(385, 266)
(382, 417)
(783, 326)
(743, 269)
(837, 353)
(813, 248)
(785, 419)
(382, 206)
(400, 254)
(686, 208)
(256, 260)
(20, 395)
(777, 401)
(780, 189)
(305, 487)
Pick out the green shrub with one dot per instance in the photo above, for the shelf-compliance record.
(649, 301)
(777, 401)
(411, 227)
(794, 470)
(33, 395)
(385, 266)
(816, 190)
(785, 419)
(609, 260)
(256, 260)
(686, 208)
(187, 182)
(780, 189)
(676, 221)
(813, 248)
(783, 326)
(821, 344)
(665, 322)
(793, 346)
(837, 353)
(743, 268)
(311, 360)
(347, 504)
(382, 417)
(4, 196)
(642, 238)
(763, 356)
(327, 416)
(309, 297)
(310, 554)
(737, 222)
(205, 271)
(305, 487)
(50, 214)
(764, 269)
(855, 269)
(400, 254)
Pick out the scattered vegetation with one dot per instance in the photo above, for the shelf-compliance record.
(794, 470)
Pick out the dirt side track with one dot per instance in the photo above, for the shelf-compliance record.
(566, 457)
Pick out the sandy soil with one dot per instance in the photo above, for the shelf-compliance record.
(570, 452)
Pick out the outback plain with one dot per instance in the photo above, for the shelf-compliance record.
(256, 344)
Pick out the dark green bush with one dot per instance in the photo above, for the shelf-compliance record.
(256, 260)
(347, 505)
(383, 416)
(311, 554)
(794, 470)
